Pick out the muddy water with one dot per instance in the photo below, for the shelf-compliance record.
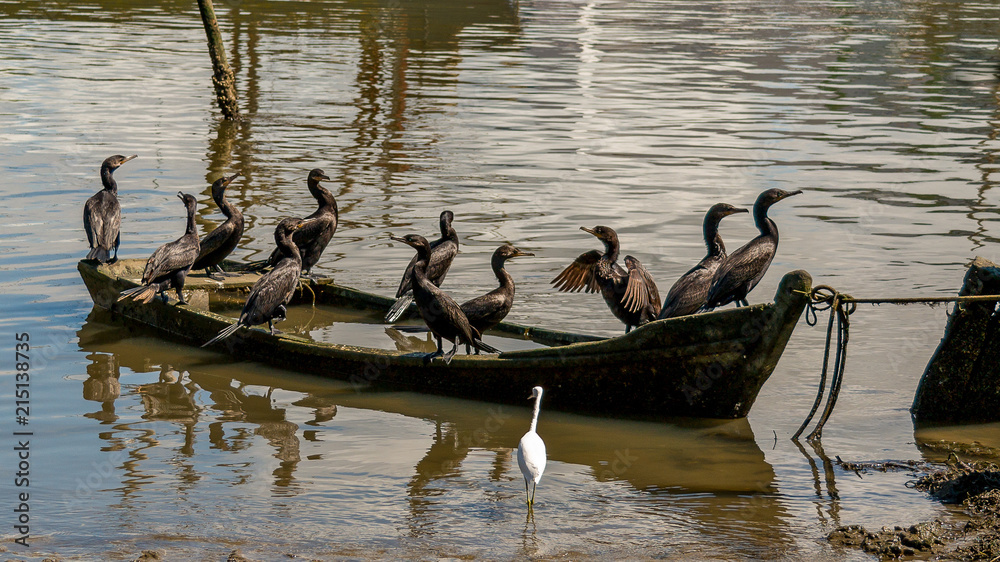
(528, 120)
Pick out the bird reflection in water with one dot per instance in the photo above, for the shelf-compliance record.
(103, 385)
(323, 411)
(170, 398)
(411, 344)
(452, 443)
(239, 405)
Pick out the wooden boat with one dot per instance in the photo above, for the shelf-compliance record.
(708, 365)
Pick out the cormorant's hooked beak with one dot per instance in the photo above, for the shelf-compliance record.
(789, 194)
(305, 223)
(589, 230)
(323, 177)
(232, 177)
(403, 240)
(180, 195)
(735, 210)
(518, 253)
(127, 158)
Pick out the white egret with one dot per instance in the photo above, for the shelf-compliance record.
(531, 451)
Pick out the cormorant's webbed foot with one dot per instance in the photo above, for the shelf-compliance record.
(221, 274)
(447, 356)
(428, 357)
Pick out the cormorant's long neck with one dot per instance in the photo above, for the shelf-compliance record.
(712, 239)
(191, 228)
(534, 415)
(420, 266)
(502, 276)
(322, 195)
(226, 207)
(611, 249)
(765, 225)
(286, 246)
(108, 179)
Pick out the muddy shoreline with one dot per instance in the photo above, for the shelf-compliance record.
(975, 486)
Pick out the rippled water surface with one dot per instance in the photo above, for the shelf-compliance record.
(528, 119)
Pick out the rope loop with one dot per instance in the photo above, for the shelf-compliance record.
(825, 297)
(841, 306)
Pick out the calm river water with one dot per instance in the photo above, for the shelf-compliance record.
(528, 119)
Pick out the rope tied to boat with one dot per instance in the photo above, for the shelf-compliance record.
(841, 306)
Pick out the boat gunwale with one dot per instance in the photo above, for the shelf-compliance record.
(576, 345)
(663, 369)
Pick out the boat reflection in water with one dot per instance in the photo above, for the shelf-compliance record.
(688, 476)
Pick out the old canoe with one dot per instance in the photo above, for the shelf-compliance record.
(708, 365)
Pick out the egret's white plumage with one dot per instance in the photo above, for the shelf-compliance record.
(531, 450)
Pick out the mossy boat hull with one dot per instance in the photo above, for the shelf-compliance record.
(707, 365)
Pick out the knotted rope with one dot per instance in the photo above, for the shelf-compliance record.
(821, 298)
(841, 306)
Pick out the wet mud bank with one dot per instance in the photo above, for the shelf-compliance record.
(975, 486)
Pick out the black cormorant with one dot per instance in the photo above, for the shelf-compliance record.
(443, 252)
(488, 310)
(170, 263)
(275, 288)
(689, 293)
(630, 291)
(219, 243)
(319, 227)
(743, 269)
(102, 214)
(442, 314)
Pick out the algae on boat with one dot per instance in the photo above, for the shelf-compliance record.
(709, 365)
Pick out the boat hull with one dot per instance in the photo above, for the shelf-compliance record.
(708, 365)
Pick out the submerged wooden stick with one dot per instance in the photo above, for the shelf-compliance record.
(223, 77)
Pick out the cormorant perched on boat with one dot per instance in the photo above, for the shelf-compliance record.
(275, 288)
(441, 313)
(630, 292)
(443, 252)
(102, 214)
(488, 310)
(743, 269)
(219, 243)
(319, 227)
(170, 263)
(689, 293)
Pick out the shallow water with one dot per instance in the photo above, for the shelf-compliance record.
(527, 119)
